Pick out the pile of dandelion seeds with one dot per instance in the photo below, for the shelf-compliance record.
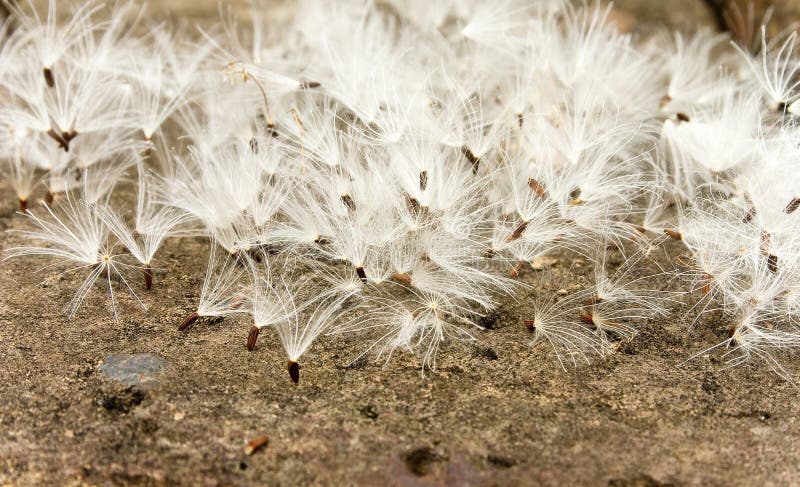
(389, 170)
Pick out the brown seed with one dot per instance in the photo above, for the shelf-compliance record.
(682, 117)
(537, 187)
(515, 270)
(673, 234)
(361, 273)
(517, 233)
(294, 371)
(412, 204)
(63, 139)
(748, 217)
(57, 137)
(148, 278)
(49, 78)
(792, 206)
(188, 321)
(664, 100)
(520, 119)
(321, 241)
(772, 263)
(23, 205)
(402, 277)
(348, 202)
(472, 158)
(423, 179)
(529, 324)
(252, 338)
(309, 84)
(586, 318)
(256, 444)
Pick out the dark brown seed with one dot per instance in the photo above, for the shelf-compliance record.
(348, 202)
(23, 205)
(682, 117)
(529, 324)
(49, 78)
(586, 318)
(321, 241)
(412, 204)
(792, 206)
(748, 217)
(254, 254)
(515, 270)
(49, 197)
(517, 233)
(472, 158)
(63, 138)
(673, 234)
(256, 444)
(520, 119)
(252, 337)
(188, 321)
(294, 371)
(361, 273)
(148, 278)
(309, 84)
(772, 263)
(537, 187)
(575, 193)
(60, 140)
(423, 179)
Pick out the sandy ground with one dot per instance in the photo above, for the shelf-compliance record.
(495, 413)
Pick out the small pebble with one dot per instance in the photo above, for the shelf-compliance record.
(136, 369)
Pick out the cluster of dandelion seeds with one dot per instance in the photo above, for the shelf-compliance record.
(392, 169)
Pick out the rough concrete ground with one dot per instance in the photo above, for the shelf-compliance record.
(499, 413)
(496, 413)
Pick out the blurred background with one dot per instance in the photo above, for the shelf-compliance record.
(637, 15)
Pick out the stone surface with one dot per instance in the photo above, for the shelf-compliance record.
(136, 369)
